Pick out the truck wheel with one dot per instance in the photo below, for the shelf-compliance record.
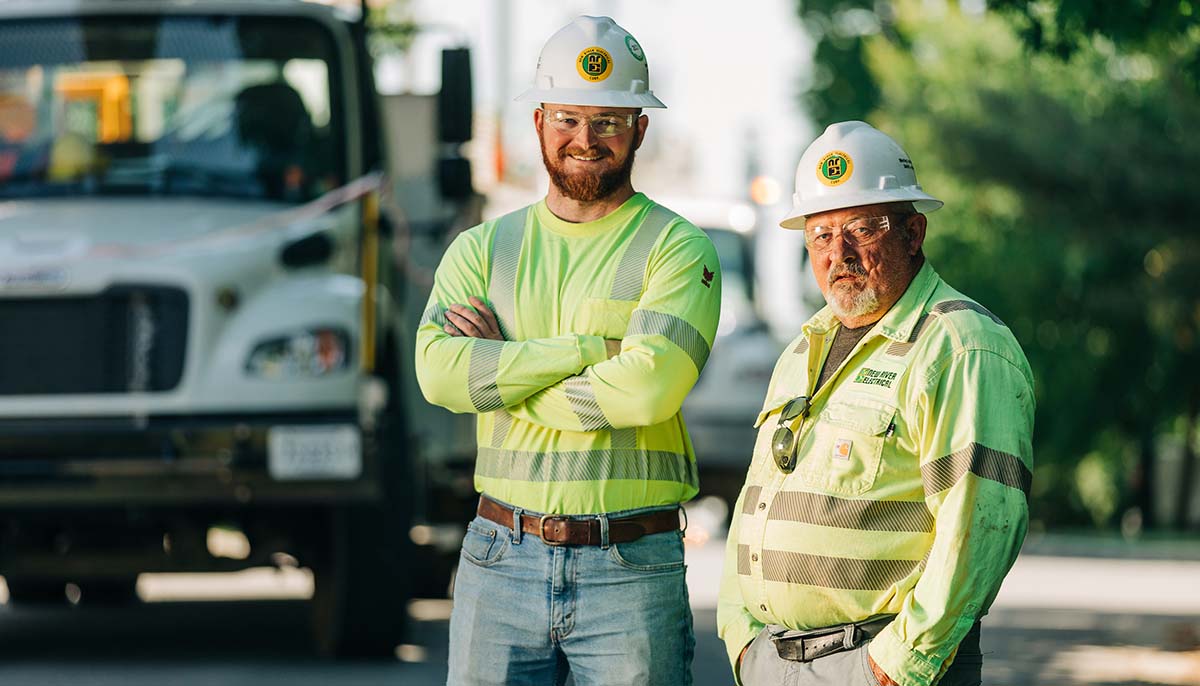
(363, 581)
(36, 590)
(360, 599)
(112, 591)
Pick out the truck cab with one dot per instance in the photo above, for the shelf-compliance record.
(205, 317)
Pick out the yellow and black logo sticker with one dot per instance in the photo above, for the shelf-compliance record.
(834, 168)
(594, 64)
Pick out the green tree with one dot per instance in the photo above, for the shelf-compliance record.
(1068, 177)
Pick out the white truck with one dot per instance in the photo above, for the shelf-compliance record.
(204, 323)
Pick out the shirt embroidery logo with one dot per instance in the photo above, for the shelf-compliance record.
(707, 279)
(841, 449)
(873, 377)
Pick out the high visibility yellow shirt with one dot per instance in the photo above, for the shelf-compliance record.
(561, 429)
(910, 493)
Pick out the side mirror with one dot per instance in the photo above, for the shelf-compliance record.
(455, 103)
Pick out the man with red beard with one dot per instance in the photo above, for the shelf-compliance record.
(887, 495)
(573, 329)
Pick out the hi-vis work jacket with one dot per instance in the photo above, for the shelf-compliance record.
(561, 428)
(910, 493)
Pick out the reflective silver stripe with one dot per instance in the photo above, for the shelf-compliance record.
(750, 501)
(631, 270)
(868, 515)
(585, 465)
(583, 402)
(945, 307)
(899, 349)
(624, 439)
(482, 375)
(743, 559)
(835, 572)
(801, 347)
(981, 461)
(502, 277)
(503, 422)
(435, 314)
(949, 306)
(676, 330)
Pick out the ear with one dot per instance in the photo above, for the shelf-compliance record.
(642, 122)
(538, 119)
(917, 224)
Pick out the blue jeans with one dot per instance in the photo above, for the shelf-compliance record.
(528, 614)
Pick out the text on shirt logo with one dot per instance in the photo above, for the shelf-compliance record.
(873, 377)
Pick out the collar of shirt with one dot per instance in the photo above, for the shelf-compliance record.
(899, 321)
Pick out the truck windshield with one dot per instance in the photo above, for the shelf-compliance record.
(190, 105)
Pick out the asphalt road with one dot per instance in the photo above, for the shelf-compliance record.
(1059, 621)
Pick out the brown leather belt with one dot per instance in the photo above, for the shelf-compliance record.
(562, 530)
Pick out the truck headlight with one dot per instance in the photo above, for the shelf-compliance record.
(304, 354)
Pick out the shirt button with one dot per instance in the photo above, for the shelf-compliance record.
(762, 506)
(754, 557)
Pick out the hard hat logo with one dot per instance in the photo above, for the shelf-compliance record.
(635, 49)
(835, 168)
(594, 64)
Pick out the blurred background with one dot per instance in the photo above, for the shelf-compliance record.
(236, 209)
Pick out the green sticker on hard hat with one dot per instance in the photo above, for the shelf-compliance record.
(594, 64)
(635, 49)
(834, 168)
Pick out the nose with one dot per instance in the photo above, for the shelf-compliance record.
(585, 138)
(842, 251)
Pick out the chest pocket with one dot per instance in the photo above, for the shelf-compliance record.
(602, 317)
(840, 455)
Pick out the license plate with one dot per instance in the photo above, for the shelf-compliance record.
(314, 452)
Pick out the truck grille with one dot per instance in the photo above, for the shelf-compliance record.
(128, 339)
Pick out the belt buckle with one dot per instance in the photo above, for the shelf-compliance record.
(542, 529)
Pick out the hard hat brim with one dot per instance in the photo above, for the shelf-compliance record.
(591, 98)
(922, 202)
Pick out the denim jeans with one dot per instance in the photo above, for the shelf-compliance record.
(762, 665)
(528, 614)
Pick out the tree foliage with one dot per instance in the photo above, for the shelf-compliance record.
(1068, 180)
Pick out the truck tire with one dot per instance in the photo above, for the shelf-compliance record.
(363, 582)
(360, 596)
(36, 590)
(111, 591)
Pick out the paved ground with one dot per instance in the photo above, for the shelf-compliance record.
(1061, 620)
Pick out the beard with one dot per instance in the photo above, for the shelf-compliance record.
(586, 186)
(848, 301)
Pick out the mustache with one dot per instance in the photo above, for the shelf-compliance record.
(584, 152)
(845, 269)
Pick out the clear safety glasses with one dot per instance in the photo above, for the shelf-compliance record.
(783, 443)
(604, 125)
(857, 232)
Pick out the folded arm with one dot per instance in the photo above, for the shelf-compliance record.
(664, 349)
(468, 374)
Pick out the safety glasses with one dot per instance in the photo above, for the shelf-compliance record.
(603, 125)
(783, 443)
(857, 232)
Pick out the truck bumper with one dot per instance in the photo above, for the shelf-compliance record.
(169, 460)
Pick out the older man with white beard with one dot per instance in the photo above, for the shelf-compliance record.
(574, 328)
(887, 494)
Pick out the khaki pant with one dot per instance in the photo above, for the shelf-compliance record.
(762, 666)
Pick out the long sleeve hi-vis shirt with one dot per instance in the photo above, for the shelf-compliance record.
(910, 492)
(562, 429)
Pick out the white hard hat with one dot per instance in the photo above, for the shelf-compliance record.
(854, 164)
(592, 61)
